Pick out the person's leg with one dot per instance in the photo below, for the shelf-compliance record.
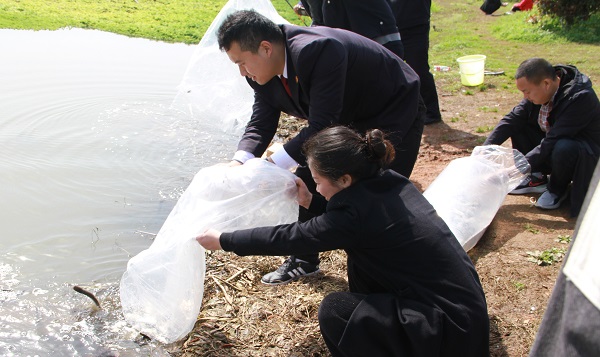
(528, 138)
(315, 11)
(489, 6)
(416, 53)
(395, 46)
(524, 141)
(407, 147)
(296, 266)
(564, 159)
(334, 313)
(304, 215)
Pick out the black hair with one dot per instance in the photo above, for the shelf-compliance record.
(339, 150)
(248, 28)
(536, 70)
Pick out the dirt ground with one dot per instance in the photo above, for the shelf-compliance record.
(517, 289)
(242, 317)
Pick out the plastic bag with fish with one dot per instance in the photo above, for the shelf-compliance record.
(162, 288)
(470, 190)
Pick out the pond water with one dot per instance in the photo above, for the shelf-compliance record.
(94, 155)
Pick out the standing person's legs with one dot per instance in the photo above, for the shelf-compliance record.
(416, 53)
(304, 215)
(407, 147)
(395, 46)
(315, 10)
(489, 6)
(296, 266)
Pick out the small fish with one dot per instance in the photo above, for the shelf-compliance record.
(88, 294)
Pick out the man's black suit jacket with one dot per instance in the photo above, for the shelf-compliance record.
(335, 77)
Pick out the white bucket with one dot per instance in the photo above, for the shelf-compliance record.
(471, 69)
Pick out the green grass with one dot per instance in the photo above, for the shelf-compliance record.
(167, 20)
(531, 229)
(487, 109)
(458, 28)
(564, 239)
(522, 26)
(547, 257)
(484, 129)
(519, 286)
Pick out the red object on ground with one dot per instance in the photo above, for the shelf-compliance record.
(524, 5)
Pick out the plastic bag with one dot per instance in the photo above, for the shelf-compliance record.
(161, 290)
(212, 82)
(470, 190)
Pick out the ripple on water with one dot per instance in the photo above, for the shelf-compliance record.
(93, 152)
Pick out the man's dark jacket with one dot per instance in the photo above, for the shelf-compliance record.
(335, 77)
(575, 114)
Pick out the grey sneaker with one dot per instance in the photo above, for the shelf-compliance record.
(531, 184)
(290, 270)
(549, 200)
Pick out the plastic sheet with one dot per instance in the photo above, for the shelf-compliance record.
(162, 288)
(212, 88)
(470, 190)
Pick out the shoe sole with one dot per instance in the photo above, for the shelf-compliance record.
(534, 189)
(554, 206)
(290, 280)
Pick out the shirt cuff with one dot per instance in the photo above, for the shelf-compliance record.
(242, 156)
(283, 160)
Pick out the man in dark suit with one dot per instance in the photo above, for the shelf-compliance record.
(332, 77)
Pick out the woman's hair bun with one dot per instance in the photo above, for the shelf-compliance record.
(376, 144)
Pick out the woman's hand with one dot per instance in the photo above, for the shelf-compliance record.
(210, 239)
(304, 195)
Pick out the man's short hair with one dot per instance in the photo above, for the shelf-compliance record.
(536, 70)
(248, 28)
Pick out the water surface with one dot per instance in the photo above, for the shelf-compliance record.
(94, 155)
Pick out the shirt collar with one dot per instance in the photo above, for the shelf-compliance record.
(285, 71)
(551, 101)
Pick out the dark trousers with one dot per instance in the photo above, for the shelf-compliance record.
(407, 150)
(334, 313)
(416, 53)
(528, 138)
(489, 6)
(395, 46)
(562, 162)
(380, 324)
(571, 161)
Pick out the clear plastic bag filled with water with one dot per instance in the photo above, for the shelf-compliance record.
(469, 191)
(162, 288)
